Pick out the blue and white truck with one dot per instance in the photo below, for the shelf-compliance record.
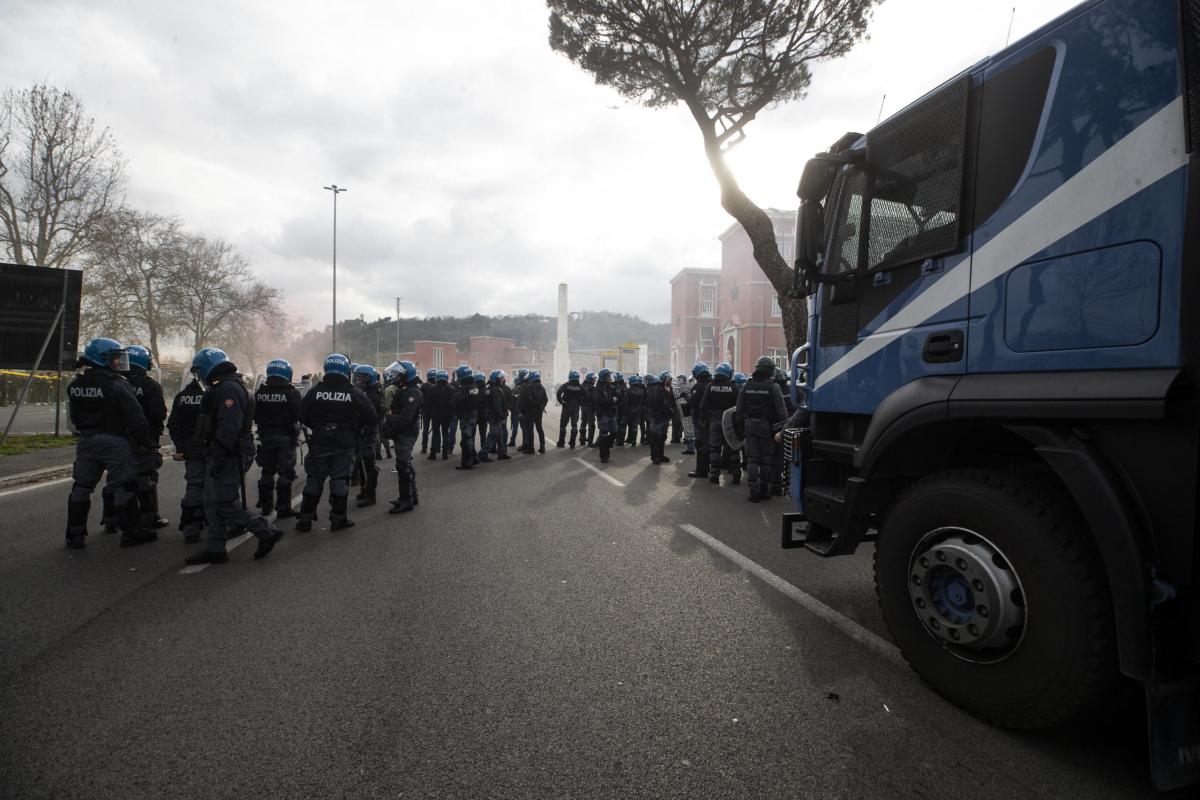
(1001, 373)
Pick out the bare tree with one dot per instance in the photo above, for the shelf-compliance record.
(134, 261)
(59, 175)
(213, 290)
(725, 61)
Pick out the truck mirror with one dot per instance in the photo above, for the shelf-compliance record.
(816, 179)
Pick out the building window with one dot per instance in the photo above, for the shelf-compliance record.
(437, 357)
(708, 299)
(785, 248)
(779, 356)
(775, 310)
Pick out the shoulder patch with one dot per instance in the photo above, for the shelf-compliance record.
(229, 402)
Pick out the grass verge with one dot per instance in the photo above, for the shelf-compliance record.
(19, 443)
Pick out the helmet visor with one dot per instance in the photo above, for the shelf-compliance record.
(119, 360)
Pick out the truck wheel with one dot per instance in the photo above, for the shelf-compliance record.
(996, 596)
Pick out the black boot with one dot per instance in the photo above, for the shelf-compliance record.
(207, 557)
(77, 514)
(604, 448)
(283, 503)
(130, 522)
(266, 499)
(337, 514)
(191, 520)
(404, 502)
(308, 510)
(108, 513)
(737, 477)
(267, 543)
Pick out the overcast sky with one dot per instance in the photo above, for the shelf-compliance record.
(483, 169)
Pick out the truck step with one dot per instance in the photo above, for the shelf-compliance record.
(834, 450)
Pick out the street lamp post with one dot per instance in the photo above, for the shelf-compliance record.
(336, 191)
(399, 300)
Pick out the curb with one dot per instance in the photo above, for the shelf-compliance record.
(49, 473)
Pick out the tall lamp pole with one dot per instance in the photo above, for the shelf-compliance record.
(399, 300)
(336, 191)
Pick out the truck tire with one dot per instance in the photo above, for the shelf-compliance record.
(996, 596)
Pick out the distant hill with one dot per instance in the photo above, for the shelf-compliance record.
(587, 330)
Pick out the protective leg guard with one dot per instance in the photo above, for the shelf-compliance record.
(129, 518)
(308, 510)
(77, 514)
(605, 450)
(266, 497)
(283, 502)
(108, 513)
(404, 502)
(337, 514)
(191, 521)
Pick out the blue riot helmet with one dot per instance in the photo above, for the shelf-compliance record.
(370, 373)
(337, 364)
(431, 374)
(653, 380)
(408, 371)
(635, 380)
(535, 376)
(464, 374)
(619, 377)
(480, 377)
(739, 378)
(389, 373)
(725, 369)
(605, 375)
(590, 377)
(496, 375)
(279, 368)
(700, 369)
(207, 360)
(573, 375)
(665, 376)
(106, 353)
(442, 375)
(522, 374)
(139, 356)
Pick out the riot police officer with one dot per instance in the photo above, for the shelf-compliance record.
(720, 395)
(635, 409)
(150, 398)
(481, 415)
(499, 400)
(193, 452)
(760, 405)
(439, 406)
(277, 415)
(401, 423)
(112, 427)
(570, 397)
(426, 422)
(366, 378)
(620, 389)
(533, 405)
(699, 426)
(337, 413)
(587, 411)
(606, 412)
(225, 420)
(466, 406)
(660, 410)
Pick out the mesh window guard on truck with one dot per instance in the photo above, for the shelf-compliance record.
(916, 164)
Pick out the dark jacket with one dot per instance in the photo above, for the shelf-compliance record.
(100, 400)
(721, 394)
(336, 410)
(570, 395)
(277, 407)
(761, 402)
(533, 398)
(150, 397)
(226, 415)
(440, 402)
(606, 399)
(404, 414)
(660, 405)
(185, 414)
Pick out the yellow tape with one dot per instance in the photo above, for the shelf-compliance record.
(26, 375)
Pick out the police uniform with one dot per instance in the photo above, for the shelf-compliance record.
(533, 406)
(499, 400)
(226, 418)
(110, 422)
(587, 412)
(570, 397)
(620, 389)
(149, 461)
(699, 424)
(426, 389)
(466, 405)
(635, 410)
(193, 451)
(481, 415)
(337, 413)
(277, 415)
(402, 424)
(720, 395)
(606, 415)
(760, 405)
(367, 464)
(660, 410)
(439, 406)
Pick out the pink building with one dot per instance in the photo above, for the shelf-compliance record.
(485, 353)
(731, 314)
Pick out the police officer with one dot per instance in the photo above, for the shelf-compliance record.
(277, 415)
(499, 399)
(621, 390)
(481, 411)
(660, 410)
(337, 413)
(682, 391)
(775, 485)
(193, 452)
(112, 427)
(533, 405)
(150, 398)
(606, 412)
(721, 395)
(635, 409)
(225, 421)
(366, 379)
(587, 411)
(426, 390)
(570, 397)
(401, 423)
(702, 378)
(439, 406)
(465, 407)
(760, 405)
(514, 412)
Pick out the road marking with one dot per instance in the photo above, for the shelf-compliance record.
(814, 606)
(31, 486)
(232, 544)
(601, 473)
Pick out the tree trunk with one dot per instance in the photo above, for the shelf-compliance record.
(761, 230)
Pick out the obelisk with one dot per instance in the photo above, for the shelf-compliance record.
(562, 355)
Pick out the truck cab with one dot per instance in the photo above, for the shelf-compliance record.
(1001, 369)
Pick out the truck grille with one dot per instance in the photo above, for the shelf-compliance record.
(1191, 65)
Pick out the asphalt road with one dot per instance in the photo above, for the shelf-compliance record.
(533, 629)
(34, 419)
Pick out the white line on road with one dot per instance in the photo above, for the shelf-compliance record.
(32, 486)
(843, 623)
(232, 544)
(601, 473)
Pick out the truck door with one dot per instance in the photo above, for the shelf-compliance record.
(899, 240)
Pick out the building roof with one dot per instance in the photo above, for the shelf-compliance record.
(776, 215)
(696, 271)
